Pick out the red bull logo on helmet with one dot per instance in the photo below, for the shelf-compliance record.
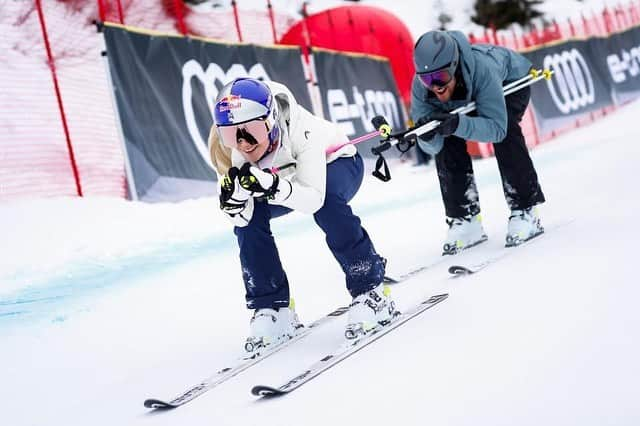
(229, 102)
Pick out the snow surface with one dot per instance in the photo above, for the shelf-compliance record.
(105, 303)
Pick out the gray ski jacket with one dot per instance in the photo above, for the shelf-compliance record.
(485, 69)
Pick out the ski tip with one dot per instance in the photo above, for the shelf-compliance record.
(156, 404)
(438, 298)
(266, 391)
(390, 280)
(459, 270)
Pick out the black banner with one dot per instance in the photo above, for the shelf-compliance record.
(588, 75)
(578, 86)
(165, 87)
(354, 89)
(619, 54)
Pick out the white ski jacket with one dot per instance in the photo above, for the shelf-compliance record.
(304, 141)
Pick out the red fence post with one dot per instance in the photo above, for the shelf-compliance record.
(120, 14)
(306, 34)
(622, 18)
(600, 22)
(514, 36)
(494, 35)
(633, 13)
(237, 20)
(179, 6)
(101, 10)
(626, 16)
(556, 29)
(52, 67)
(585, 26)
(273, 22)
(619, 18)
(572, 28)
(609, 24)
(535, 37)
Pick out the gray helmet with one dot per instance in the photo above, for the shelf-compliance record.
(435, 50)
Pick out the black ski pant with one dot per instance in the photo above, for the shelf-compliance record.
(519, 179)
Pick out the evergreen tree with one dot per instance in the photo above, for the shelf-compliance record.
(443, 17)
(502, 13)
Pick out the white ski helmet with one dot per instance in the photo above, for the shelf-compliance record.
(246, 117)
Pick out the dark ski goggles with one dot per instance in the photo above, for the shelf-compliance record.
(439, 78)
(253, 132)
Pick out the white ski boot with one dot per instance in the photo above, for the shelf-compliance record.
(369, 310)
(270, 327)
(464, 232)
(523, 225)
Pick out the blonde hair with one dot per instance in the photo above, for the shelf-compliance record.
(220, 154)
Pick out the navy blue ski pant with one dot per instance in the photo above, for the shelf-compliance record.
(266, 282)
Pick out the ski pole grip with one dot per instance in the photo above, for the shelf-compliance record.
(380, 124)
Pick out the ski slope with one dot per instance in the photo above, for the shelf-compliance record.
(104, 303)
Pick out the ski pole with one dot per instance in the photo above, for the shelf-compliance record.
(379, 122)
(383, 130)
(411, 135)
(533, 76)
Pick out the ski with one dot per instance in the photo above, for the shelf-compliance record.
(390, 279)
(461, 270)
(242, 364)
(346, 350)
(458, 270)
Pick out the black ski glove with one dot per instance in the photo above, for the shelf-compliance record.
(233, 198)
(260, 183)
(448, 122)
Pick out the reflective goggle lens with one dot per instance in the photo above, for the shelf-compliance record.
(436, 78)
(253, 132)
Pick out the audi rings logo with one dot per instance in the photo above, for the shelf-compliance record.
(214, 73)
(572, 84)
